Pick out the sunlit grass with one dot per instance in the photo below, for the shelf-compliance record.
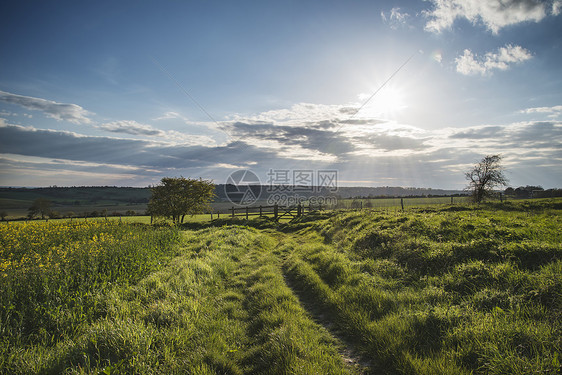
(464, 291)
(54, 276)
(441, 290)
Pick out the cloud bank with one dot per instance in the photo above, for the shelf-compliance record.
(130, 127)
(59, 111)
(363, 149)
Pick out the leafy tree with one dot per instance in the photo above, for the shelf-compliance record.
(3, 215)
(527, 191)
(40, 206)
(485, 176)
(176, 197)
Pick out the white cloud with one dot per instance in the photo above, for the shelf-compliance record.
(395, 18)
(470, 64)
(130, 127)
(494, 14)
(299, 113)
(556, 6)
(552, 112)
(171, 115)
(169, 136)
(59, 111)
(325, 133)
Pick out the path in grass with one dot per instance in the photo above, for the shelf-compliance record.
(322, 316)
(437, 291)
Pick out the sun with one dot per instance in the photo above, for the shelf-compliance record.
(387, 102)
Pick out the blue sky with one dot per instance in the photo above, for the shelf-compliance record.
(125, 93)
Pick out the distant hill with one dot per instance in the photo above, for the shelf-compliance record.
(74, 196)
(109, 196)
(355, 192)
(79, 200)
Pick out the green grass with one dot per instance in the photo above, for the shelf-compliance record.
(439, 291)
(435, 290)
(396, 203)
(55, 278)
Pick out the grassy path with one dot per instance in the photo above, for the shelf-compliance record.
(347, 349)
(476, 291)
(224, 308)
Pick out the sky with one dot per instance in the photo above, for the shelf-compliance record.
(397, 93)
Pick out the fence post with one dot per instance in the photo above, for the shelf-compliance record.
(232, 209)
(246, 212)
(260, 211)
(218, 215)
(451, 199)
(275, 211)
(361, 202)
(211, 215)
(299, 210)
(402, 203)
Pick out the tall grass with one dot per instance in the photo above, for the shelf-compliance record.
(476, 290)
(53, 275)
(220, 307)
(449, 290)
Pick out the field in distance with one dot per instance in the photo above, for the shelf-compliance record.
(116, 201)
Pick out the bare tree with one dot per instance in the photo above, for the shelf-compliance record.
(40, 206)
(485, 176)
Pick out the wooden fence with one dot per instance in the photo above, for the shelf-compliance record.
(278, 212)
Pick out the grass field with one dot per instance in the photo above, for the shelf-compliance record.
(434, 290)
(15, 208)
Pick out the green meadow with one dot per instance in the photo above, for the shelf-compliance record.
(448, 289)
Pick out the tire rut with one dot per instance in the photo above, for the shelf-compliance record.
(346, 349)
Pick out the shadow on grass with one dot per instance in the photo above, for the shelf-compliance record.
(263, 222)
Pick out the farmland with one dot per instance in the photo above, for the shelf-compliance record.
(448, 289)
(119, 201)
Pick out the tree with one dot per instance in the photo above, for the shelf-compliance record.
(485, 176)
(176, 197)
(3, 215)
(527, 191)
(39, 206)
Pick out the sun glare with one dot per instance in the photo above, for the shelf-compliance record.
(387, 102)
